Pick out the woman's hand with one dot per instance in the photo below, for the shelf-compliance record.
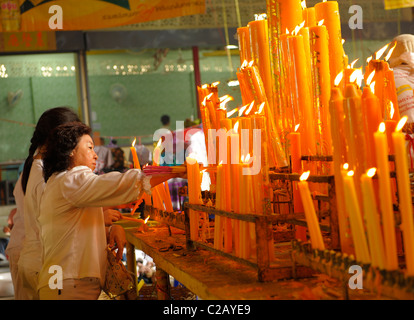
(111, 216)
(117, 240)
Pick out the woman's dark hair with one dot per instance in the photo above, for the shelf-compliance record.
(60, 144)
(49, 120)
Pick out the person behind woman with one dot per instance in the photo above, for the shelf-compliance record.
(24, 249)
(71, 219)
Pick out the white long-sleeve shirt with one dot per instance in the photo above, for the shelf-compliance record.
(17, 232)
(72, 222)
(31, 254)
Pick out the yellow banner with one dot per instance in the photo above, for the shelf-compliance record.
(65, 15)
(397, 4)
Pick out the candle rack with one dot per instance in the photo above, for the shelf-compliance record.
(323, 212)
(390, 284)
(268, 270)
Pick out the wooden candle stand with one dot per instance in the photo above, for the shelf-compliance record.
(390, 284)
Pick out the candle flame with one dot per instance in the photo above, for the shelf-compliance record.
(304, 176)
(236, 127)
(146, 220)
(401, 123)
(220, 163)
(261, 16)
(133, 142)
(343, 41)
(297, 127)
(230, 113)
(159, 142)
(244, 64)
(303, 4)
(250, 109)
(381, 127)
(360, 77)
(204, 86)
(338, 78)
(297, 28)
(261, 107)
(320, 22)
(215, 84)
(204, 103)
(354, 75)
(247, 158)
(381, 51)
(387, 57)
(224, 100)
(371, 172)
(287, 31)
(241, 110)
(353, 63)
(392, 110)
(372, 87)
(350, 173)
(209, 95)
(251, 63)
(370, 77)
(242, 158)
(369, 59)
(345, 166)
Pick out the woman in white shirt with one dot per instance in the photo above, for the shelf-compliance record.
(73, 233)
(24, 249)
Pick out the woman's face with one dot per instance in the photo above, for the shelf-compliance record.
(84, 154)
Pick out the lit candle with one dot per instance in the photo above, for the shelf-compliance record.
(371, 215)
(157, 153)
(339, 157)
(355, 219)
(372, 116)
(296, 164)
(194, 193)
(261, 54)
(329, 12)
(134, 155)
(321, 80)
(243, 37)
(404, 193)
(302, 94)
(309, 15)
(310, 214)
(387, 211)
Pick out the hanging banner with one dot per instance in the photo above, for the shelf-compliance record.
(397, 4)
(27, 41)
(69, 15)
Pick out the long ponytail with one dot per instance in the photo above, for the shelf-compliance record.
(49, 120)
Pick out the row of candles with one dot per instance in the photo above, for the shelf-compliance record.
(305, 80)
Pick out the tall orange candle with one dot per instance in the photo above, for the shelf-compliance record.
(310, 214)
(339, 158)
(296, 164)
(404, 193)
(134, 155)
(355, 218)
(371, 216)
(261, 54)
(309, 16)
(321, 81)
(372, 118)
(329, 12)
(387, 211)
(243, 37)
(302, 94)
(194, 194)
